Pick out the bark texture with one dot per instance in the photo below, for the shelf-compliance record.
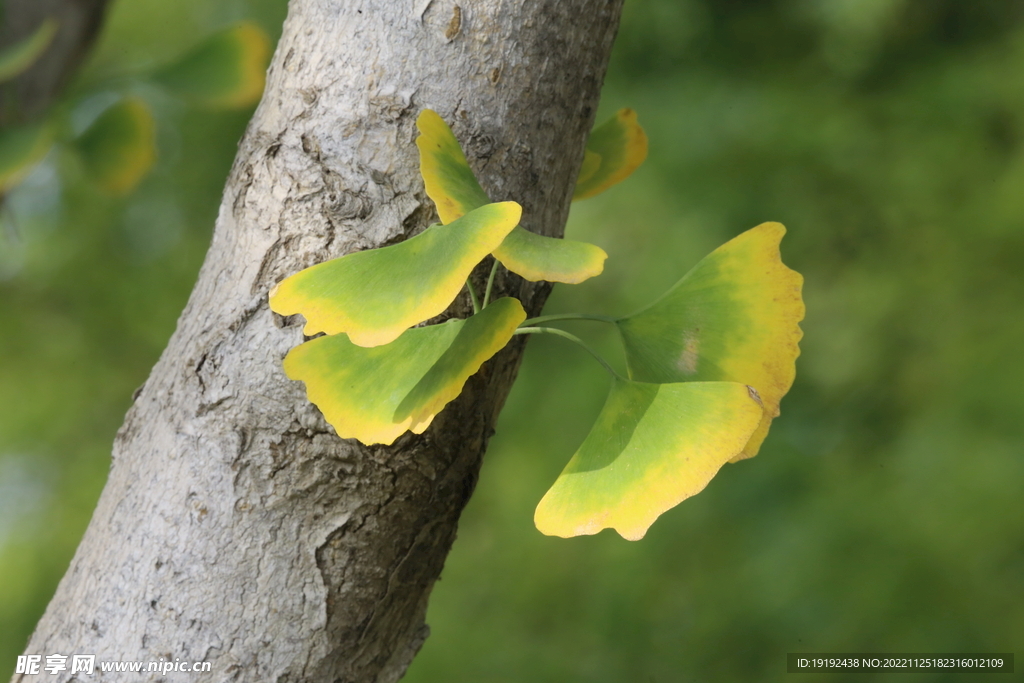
(79, 21)
(236, 527)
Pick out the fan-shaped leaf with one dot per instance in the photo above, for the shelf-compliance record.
(447, 177)
(17, 58)
(734, 318)
(21, 149)
(591, 162)
(620, 146)
(375, 295)
(450, 183)
(652, 447)
(227, 70)
(535, 257)
(119, 148)
(377, 394)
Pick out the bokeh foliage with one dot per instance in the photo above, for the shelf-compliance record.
(882, 512)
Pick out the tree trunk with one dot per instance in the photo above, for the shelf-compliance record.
(236, 527)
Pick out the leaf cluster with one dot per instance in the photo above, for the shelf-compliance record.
(708, 362)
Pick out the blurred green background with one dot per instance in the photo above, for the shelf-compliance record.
(884, 512)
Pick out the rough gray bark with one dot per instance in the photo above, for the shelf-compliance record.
(29, 94)
(236, 527)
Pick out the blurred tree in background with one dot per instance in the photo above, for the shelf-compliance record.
(883, 512)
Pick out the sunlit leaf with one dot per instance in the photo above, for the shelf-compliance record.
(652, 447)
(226, 70)
(448, 179)
(119, 148)
(375, 295)
(734, 318)
(535, 257)
(450, 183)
(620, 146)
(21, 149)
(376, 394)
(483, 335)
(17, 58)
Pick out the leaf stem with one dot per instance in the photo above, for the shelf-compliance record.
(490, 283)
(569, 316)
(572, 338)
(473, 297)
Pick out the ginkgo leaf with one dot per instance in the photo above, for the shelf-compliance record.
(17, 58)
(377, 394)
(227, 70)
(447, 177)
(482, 336)
(591, 162)
(652, 447)
(21, 149)
(734, 318)
(620, 146)
(535, 257)
(450, 183)
(119, 148)
(375, 295)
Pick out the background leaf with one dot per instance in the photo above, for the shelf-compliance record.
(615, 149)
(227, 70)
(21, 148)
(17, 58)
(119, 148)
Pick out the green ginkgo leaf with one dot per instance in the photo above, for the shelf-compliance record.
(652, 447)
(227, 70)
(591, 162)
(450, 183)
(119, 148)
(377, 394)
(535, 257)
(21, 148)
(614, 150)
(733, 318)
(375, 295)
(17, 58)
(447, 177)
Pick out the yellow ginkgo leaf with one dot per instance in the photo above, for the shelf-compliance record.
(614, 150)
(227, 70)
(450, 182)
(652, 447)
(447, 177)
(535, 257)
(734, 317)
(375, 295)
(377, 394)
(119, 148)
